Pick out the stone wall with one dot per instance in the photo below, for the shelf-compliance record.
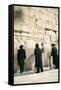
(34, 25)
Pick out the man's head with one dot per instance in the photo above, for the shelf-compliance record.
(37, 45)
(53, 45)
(21, 46)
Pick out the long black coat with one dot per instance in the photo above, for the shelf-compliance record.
(55, 57)
(38, 57)
(21, 56)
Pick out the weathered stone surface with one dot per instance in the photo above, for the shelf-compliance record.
(34, 25)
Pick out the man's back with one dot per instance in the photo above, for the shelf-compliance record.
(38, 51)
(21, 54)
(54, 51)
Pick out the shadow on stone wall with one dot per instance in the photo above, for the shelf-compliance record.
(30, 63)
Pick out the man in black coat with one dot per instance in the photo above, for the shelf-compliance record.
(38, 58)
(55, 56)
(21, 56)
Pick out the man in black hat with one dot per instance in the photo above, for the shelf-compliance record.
(55, 56)
(21, 56)
(38, 58)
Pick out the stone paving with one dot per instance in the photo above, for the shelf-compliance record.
(49, 75)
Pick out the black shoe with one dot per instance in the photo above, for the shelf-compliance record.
(41, 70)
(21, 71)
(37, 72)
(56, 68)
